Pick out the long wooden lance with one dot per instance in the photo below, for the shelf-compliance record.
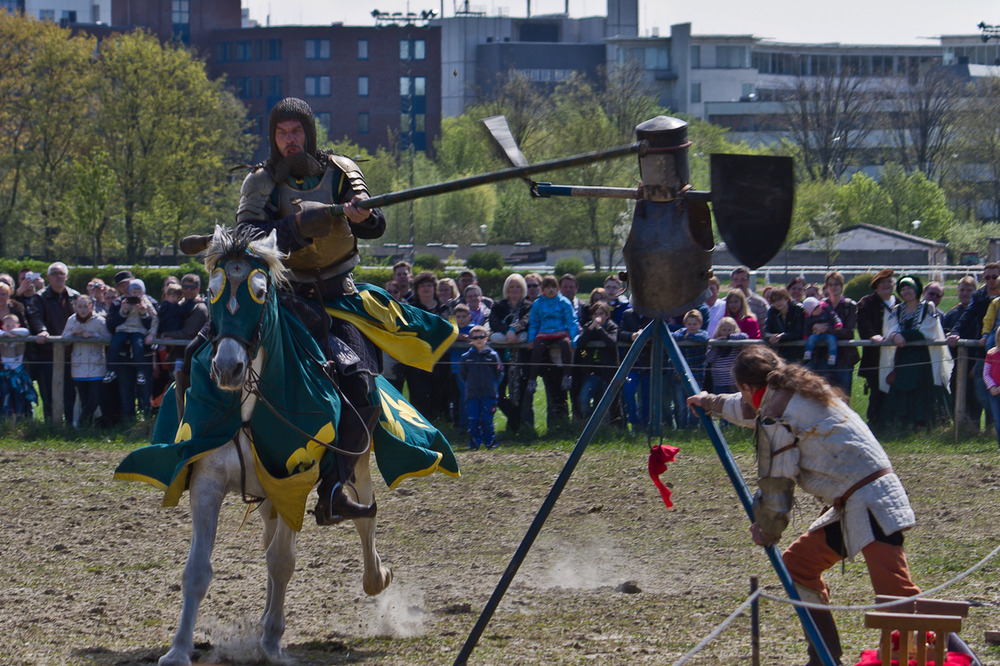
(639, 147)
(194, 244)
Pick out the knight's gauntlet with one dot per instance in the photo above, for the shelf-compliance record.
(315, 219)
(772, 503)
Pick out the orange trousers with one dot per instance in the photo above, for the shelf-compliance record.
(810, 555)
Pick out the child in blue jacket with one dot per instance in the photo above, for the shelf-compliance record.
(482, 372)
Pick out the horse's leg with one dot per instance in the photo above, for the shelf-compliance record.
(208, 487)
(280, 567)
(376, 577)
(270, 526)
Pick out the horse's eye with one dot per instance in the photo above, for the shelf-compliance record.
(216, 283)
(258, 285)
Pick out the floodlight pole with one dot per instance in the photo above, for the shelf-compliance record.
(657, 332)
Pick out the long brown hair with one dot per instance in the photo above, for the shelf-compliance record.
(758, 366)
(744, 307)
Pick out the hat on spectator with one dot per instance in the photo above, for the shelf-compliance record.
(122, 276)
(883, 274)
(137, 285)
(910, 281)
(810, 304)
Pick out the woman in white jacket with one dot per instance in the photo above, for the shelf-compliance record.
(87, 363)
(807, 435)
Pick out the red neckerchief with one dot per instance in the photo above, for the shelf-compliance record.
(758, 397)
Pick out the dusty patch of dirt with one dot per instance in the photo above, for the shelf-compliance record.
(91, 567)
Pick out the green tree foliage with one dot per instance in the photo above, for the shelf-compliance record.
(170, 133)
(45, 113)
(122, 146)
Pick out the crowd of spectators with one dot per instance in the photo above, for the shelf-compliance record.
(545, 334)
(105, 381)
(541, 334)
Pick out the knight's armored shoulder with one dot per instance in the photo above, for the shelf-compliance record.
(254, 196)
(352, 171)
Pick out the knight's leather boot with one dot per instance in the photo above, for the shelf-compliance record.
(335, 505)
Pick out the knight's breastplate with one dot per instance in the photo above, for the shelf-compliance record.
(330, 250)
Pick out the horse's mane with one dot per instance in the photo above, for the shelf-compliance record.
(228, 244)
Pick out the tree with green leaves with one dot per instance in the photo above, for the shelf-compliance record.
(170, 133)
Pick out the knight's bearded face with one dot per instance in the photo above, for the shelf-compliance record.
(292, 142)
(290, 137)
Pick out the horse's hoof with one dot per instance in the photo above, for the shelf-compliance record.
(175, 658)
(378, 588)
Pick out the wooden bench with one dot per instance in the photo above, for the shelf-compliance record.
(916, 615)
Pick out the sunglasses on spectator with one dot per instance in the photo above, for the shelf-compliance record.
(534, 285)
(933, 294)
(991, 277)
(188, 285)
(477, 337)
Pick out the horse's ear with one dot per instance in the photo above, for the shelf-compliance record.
(269, 245)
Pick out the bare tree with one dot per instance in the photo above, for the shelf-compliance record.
(829, 116)
(922, 112)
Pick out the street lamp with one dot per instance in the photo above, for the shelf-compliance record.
(482, 230)
(916, 225)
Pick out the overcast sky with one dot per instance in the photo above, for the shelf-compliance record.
(845, 21)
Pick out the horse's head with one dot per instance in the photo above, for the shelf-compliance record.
(243, 268)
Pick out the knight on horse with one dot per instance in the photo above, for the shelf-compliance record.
(291, 193)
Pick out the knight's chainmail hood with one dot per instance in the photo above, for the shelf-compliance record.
(308, 163)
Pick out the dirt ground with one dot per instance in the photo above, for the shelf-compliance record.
(91, 567)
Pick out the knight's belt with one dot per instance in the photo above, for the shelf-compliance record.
(326, 288)
(334, 270)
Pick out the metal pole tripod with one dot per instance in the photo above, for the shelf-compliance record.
(657, 332)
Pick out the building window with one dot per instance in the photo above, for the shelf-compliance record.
(363, 122)
(244, 51)
(68, 16)
(46, 15)
(274, 86)
(317, 86)
(420, 122)
(244, 87)
(362, 49)
(404, 86)
(274, 49)
(323, 118)
(420, 86)
(317, 49)
(415, 49)
(695, 56)
(222, 52)
(95, 14)
(732, 57)
(404, 122)
(362, 86)
(695, 93)
(259, 84)
(180, 12)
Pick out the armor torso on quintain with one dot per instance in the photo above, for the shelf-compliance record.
(328, 250)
